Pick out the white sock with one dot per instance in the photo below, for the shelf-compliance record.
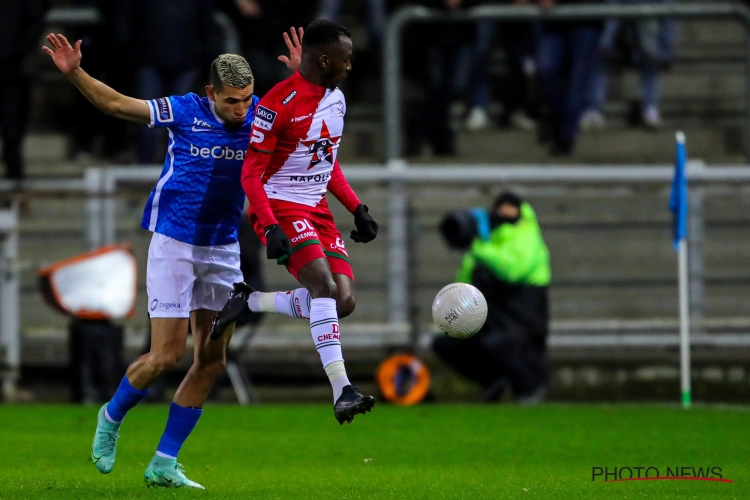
(324, 326)
(295, 303)
(337, 375)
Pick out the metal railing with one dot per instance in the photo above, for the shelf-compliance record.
(102, 183)
(10, 323)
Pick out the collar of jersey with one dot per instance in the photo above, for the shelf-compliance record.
(307, 83)
(212, 105)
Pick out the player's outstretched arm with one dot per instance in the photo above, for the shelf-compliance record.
(108, 100)
(294, 44)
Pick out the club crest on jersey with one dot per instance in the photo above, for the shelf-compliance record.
(164, 110)
(264, 118)
(322, 148)
(289, 98)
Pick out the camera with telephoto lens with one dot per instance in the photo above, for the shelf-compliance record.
(459, 228)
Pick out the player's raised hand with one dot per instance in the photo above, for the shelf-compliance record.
(65, 57)
(367, 228)
(294, 44)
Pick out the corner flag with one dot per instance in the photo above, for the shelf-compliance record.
(678, 204)
(678, 199)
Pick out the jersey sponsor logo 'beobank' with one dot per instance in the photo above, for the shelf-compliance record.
(218, 152)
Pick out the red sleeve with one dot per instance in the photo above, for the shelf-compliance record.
(340, 188)
(263, 140)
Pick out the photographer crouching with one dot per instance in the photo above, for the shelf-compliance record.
(507, 260)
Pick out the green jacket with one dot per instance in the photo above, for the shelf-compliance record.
(515, 253)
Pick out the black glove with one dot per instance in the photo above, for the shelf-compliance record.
(277, 243)
(367, 228)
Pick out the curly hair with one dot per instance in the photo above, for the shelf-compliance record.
(322, 32)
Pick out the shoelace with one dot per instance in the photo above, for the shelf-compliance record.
(111, 442)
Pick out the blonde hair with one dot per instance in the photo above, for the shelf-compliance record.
(230, 70)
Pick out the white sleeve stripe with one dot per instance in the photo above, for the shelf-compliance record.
(152, 112)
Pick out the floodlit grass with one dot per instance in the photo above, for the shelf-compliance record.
(431, 451)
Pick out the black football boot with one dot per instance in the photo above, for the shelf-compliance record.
(235, 307)
(350, 403)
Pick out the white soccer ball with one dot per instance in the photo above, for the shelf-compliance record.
(459, 310)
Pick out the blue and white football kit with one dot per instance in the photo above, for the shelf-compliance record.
(195, 209)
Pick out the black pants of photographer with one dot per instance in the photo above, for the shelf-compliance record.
(96, 363)
(492, 357)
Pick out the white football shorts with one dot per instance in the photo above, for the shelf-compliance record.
(181, 277)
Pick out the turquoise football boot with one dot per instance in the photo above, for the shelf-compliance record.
(104, 447)
(166, 472)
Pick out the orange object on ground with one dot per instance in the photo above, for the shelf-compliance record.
(403, 379)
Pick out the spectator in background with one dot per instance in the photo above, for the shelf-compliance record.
(518, 41)
(21, 24)
(448, 63)
(653, 41)
(168, 41)
(93, 133)
(508, 261)
(566, 58)
(375, 16)
(258, 23)
(479, 97)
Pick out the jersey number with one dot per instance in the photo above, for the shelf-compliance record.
(257, 136)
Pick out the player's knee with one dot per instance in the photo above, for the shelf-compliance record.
(325, 289)
(212, 369)
(345, 304)
(165, 362)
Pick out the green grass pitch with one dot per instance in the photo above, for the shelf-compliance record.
(431, 451)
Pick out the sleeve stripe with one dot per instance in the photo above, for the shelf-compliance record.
(261, 150)
(151, 111)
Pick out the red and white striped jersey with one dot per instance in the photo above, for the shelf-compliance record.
(293, 145)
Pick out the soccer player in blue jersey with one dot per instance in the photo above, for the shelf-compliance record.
(193, 260)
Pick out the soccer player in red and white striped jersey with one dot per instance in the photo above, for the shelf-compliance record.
(289, 166)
